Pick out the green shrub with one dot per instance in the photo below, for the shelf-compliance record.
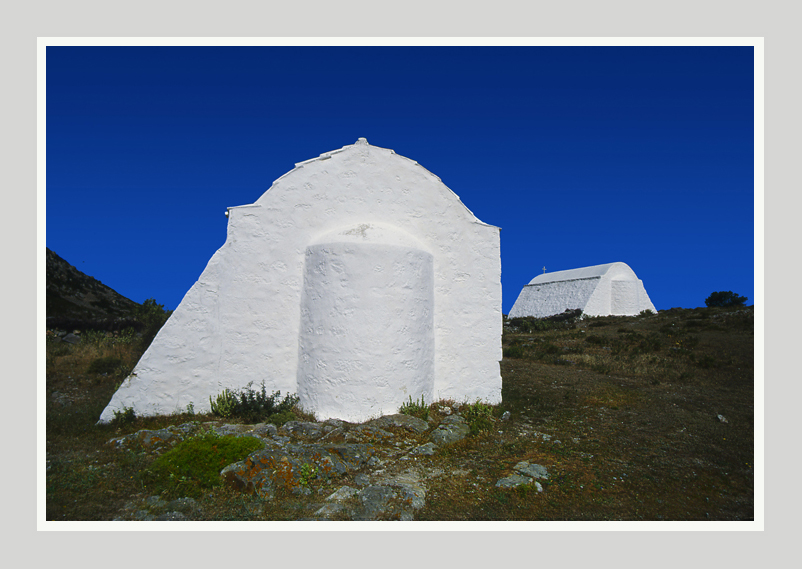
(415, 409)
(195, 464)
(224, 404)
(478, 415)
(278, 419)
(124, 417)
(725, 298)
(152, 316)
(253, 406)
(593, 339)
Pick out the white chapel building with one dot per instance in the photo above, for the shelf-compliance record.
(601, 290)
(357, 281)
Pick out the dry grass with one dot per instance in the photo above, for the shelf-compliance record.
(636, 414)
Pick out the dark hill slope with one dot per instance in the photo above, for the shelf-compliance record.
(75, 297)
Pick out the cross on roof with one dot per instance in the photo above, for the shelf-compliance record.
(544, 270)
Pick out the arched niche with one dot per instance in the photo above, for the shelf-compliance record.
(366, 337)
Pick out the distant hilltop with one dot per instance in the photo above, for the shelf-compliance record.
(74, 298)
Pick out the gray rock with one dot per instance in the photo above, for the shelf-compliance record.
(172, 517)
(265, 470)
(400, 420)
(342, 494)
(185, 506)
(513, 481)
(373, 502)
(328, 510)
(71, 339)
(722, 419)
(303, 429)
(532, 470)
(426, 450)
(361, 480)
(452, 429)
(265, 430)
(367, 432)
(505, 416)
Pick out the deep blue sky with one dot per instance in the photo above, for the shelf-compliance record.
(582, 155)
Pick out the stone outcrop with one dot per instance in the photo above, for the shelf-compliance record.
(371, 471)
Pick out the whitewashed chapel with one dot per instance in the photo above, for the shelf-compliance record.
(601, 290)
(357, 281)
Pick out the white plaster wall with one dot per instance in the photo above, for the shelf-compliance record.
(241, 321)
(644, 302)
(600, 290)
(367, 334)
(547, 299)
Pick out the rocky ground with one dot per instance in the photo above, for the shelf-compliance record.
(372, 471)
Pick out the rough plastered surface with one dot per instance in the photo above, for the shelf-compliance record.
(601, 290)
(357, 281)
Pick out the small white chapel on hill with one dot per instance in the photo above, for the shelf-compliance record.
(357, 281)
(601, 290)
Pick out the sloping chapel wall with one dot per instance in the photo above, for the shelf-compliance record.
(244, 311)
(541, 300)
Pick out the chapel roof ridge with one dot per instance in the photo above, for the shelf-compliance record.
(362, 141)
(593, 271)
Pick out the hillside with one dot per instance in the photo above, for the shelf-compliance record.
(75, 297)
(640, 418)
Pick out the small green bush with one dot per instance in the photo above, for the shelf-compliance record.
(253, 406)
(725, 298)
(415, 409)
(593, 339)
(124, 417)
(195, 464)
(478, 415)
(224, 404)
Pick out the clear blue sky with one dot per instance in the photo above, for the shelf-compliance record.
(582, 156)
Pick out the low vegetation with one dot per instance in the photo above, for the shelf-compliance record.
(194, 465)
(649, 417)
(252, 406)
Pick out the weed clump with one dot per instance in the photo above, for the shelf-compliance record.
(124, 417)
(479, 417)
(415, 409)
(195, 464)
(254, 406)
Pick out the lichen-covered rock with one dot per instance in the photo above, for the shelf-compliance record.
(156, 440)
(373, 502)
(362, 433)
(407, 422)
(425, 450)
(304, 429)
(263, 471)
(453, 428)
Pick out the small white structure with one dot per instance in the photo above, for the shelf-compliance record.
(601, 290)
(357, 281)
